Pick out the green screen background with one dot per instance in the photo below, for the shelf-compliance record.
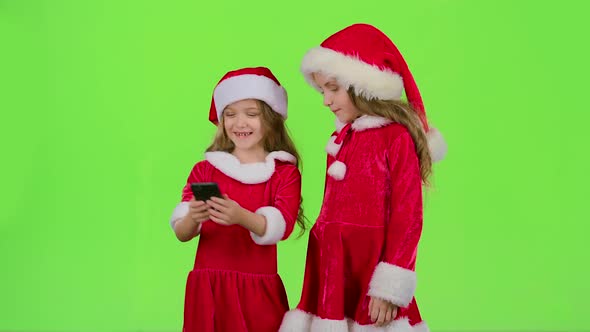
(103, 113)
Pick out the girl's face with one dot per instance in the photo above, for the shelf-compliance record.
(242, 124)
(336, 98)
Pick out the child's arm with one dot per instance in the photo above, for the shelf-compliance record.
(394, 279)
(281, 216)
(189, 214)
(189, 226)
(228, 212)
(268, 224)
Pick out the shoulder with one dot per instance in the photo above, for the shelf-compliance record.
(388, 134)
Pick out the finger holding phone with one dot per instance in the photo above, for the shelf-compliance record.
(198, 210)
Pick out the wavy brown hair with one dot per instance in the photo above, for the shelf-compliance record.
(402, 113)
(275, 138)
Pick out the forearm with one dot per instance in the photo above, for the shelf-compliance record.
(253, 222)
(186, 229)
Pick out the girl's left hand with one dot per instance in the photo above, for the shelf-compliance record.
(381, 311)
(225, 211)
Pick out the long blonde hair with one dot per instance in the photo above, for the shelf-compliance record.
(275, 138)
(402, 113)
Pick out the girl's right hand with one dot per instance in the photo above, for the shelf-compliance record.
(198, 210)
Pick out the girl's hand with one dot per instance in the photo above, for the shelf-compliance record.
(198, 210)
(381, 311)
(225, 211)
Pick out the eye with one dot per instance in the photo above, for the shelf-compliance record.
(252, 115)
(230, 114)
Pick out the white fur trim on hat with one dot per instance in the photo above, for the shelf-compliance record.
(368, 80)
(393, 283)
(300, 321)
(275, 226)
(436, 144)
(251, 173)
(332, 148)
(250, 86)
(180, 211)
(337, 170)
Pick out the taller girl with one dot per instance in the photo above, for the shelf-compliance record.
(360, 269)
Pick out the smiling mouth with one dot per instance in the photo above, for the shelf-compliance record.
(243, 134)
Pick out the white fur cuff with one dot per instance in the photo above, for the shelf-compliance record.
(180, 211)
(275, 226)
(393, 283)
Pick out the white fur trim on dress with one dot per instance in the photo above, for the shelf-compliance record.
(368, 80)
(251, 173)
(436, 144)
(393, 283)
(296, 321)
(337, 170)
(180, 211)
(275, 226)
(332, 148)
(299, 321)
(364, 122)
(250, 87)
(339, 124)
(368, 122)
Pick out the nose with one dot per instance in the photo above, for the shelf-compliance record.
(327, 99)
(241, 120)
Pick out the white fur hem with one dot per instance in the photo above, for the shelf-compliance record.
(393, 283)
(368, 81)
(250, 87)
(251, 173)
(337, 170)
(275, 226)
(332, 148)
(299, 321)
(296, 321)
(436, 144)
(180, 211)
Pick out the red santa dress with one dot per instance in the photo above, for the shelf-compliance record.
(365, 240)
(234, 285)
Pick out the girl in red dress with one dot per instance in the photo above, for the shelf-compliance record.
(361, 259)
(234, 285)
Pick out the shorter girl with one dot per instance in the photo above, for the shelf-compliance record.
(234, 285)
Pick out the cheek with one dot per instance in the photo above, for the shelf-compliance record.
(227, 125)
(256, 125)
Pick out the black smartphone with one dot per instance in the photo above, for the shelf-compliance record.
(203, 191)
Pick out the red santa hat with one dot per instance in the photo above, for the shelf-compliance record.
(364, 58)
(248, 83)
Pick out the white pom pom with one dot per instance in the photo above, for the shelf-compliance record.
(436, 145)
(337, 170)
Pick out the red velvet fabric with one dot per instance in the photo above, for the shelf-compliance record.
(373, 215)
(234, 285)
